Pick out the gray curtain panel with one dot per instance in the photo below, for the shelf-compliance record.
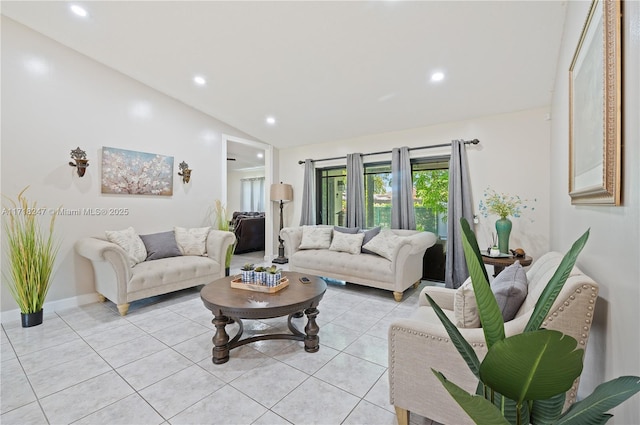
(460, 205)
(355, 190)
(308, 215)
(403, 215)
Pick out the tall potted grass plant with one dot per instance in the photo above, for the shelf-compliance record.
(221, 222)
(31, 251)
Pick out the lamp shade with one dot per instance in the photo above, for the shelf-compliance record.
(281, 192)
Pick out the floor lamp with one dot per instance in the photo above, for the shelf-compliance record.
(281, 192)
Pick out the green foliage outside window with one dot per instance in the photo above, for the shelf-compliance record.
(430, 180)
(432, 187)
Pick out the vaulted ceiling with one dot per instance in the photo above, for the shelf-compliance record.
(323, 70)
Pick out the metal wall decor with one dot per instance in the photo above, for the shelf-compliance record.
(80, 161)
(185, 172)
(595, 109)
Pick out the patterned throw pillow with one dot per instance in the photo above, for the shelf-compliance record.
(346, 242)
(192, 241)
(316, 237)
(384, 244)
(465, 307)
(128, 240)
(161, 245)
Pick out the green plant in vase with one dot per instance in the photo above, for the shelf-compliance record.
(258, 274)
(523, 378)
(247, 272)
(273, 276)
(504, 206)
(31, 252)
(221, 222)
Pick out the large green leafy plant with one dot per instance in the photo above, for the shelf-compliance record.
(523, 378)
(31, 252)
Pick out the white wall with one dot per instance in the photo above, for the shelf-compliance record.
(54, 100)
(612, 255)
(512, 157)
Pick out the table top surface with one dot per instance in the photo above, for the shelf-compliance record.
(219, 297)
(506, 261)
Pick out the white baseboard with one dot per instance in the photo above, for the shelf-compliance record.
(13, 315)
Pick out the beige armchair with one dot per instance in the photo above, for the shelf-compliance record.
(420, 343)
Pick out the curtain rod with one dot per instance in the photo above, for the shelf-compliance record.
(442, 145)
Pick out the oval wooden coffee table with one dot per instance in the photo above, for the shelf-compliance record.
(228, 303)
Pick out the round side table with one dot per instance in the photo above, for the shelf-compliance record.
(499, 263)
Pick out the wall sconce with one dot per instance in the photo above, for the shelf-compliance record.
(185, 172)
(81, 161)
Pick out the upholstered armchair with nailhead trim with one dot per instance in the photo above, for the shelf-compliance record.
(420, 343)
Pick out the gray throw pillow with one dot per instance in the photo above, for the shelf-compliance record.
(349, 230)
(510, 289)
(161, 245)
(368, 235)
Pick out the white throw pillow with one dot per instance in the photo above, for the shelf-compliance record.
(192, 241)
(345, 242)
(316, 237)
(384, 244)
(128, 240)
(465, 308)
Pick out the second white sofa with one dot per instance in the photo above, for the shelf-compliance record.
(402, 270)
(121, 280)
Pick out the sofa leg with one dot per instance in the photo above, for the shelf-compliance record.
(397, 296)
(101, 297)
(415, 285)
(123, 308)
(402, 416)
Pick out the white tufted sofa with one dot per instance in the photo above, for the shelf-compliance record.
(419, 343)
(364, 269)
(117, 281)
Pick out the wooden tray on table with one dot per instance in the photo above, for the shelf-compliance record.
(237, 283)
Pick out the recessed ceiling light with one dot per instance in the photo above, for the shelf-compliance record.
(260, 155)
(271, 120)
(437, 76)
(79, 10)
(199, 80)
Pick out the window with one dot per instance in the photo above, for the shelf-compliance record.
(252, 194)
(431, 192)
(377, 195)
(331, 191)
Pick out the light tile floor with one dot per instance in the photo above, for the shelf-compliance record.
(88, 365)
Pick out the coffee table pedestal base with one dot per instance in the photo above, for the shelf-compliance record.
(222, 345)
(220, 353)
(311, 339)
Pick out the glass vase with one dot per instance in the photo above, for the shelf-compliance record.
(503, 228)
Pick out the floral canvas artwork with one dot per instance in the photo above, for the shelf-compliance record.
(136, 173)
